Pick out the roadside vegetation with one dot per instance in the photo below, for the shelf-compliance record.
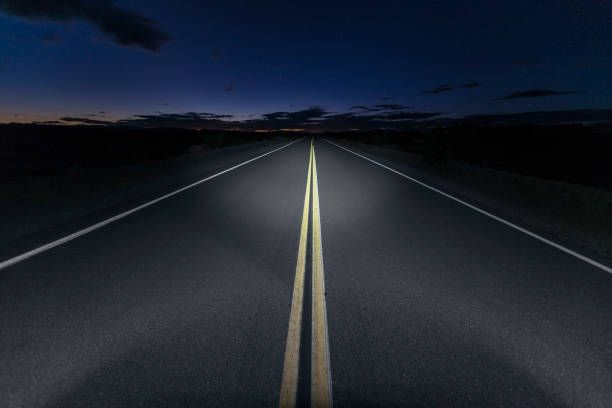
(577, 154)
(31, 150)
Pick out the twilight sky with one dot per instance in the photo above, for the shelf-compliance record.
(167, 61)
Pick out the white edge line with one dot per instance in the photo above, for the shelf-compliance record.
(74, 235)
(488, 214)
(329, 377)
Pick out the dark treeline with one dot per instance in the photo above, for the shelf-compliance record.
(39, 149)
(574, 153)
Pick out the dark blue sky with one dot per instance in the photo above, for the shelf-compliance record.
(255, 57)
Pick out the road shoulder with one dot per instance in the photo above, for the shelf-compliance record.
(575, 216)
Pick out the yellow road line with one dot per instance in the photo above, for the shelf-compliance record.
(321, 378)
(292, 349)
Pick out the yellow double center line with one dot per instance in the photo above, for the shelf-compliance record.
(320, 381)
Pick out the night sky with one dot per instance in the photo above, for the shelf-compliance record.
(174, 62)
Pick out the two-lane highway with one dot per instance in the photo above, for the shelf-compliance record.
(308, 275)
(432, 303)
(182, 303)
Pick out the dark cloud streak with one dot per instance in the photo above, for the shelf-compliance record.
(315, 118)
(380, 107)
(190, 120)
(293, 118)
(446, 87)
(470, 85)
(542, 117)
(535, 93)
(318, 119)
(51, 38)
(126, 27)
(391, 106)
(86, 121)
(361, 107)
(438, 89)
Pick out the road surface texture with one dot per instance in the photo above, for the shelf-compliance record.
(408, 298)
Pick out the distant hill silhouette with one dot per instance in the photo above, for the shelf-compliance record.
(576, 153)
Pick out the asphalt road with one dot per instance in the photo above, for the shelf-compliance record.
(187, 301)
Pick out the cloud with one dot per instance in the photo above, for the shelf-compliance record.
(126, 27)
(535, 93)
(406, 116)
(48, 122)
(86, 121)
(447, 87)
(315, 118)
(438, 89)
(318, 119)
(543, 117)
(215, 115)
(361, 107)
(189, 120)
(386, 120)
(380, 107)
(470, 85)
(229, 88)
(300, 117)
(386, 98)
(391, 106)
(51, 38)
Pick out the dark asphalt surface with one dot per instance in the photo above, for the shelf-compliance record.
(186, 303)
